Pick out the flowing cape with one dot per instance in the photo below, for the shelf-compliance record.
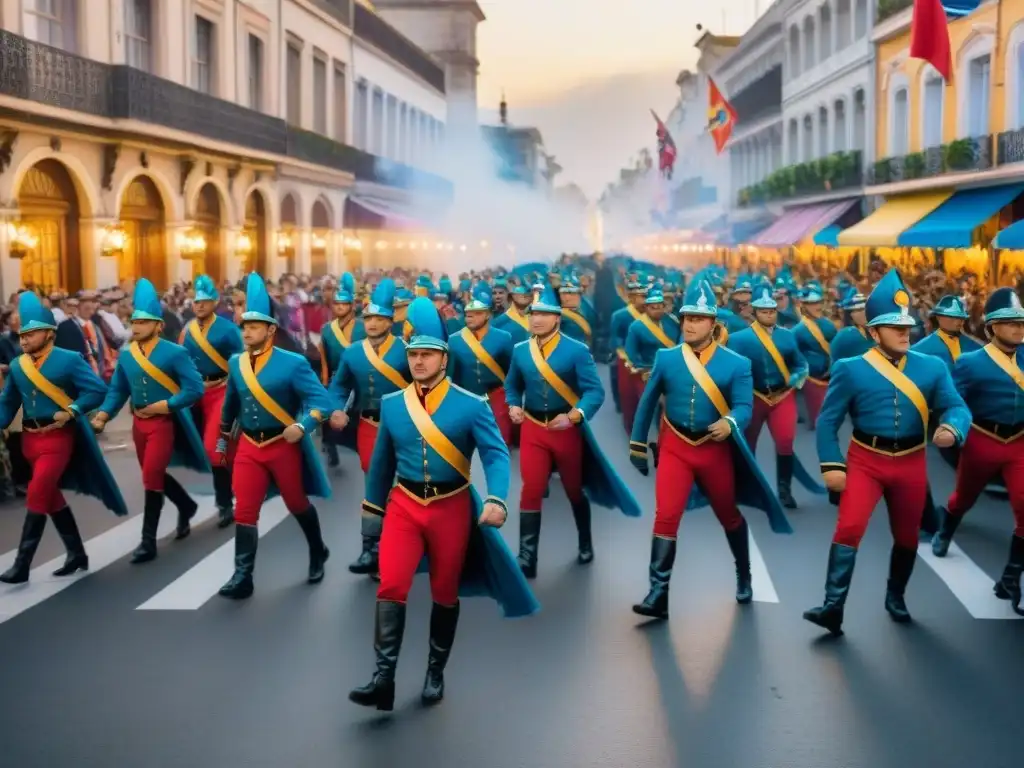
(188, 443)
(87, 473)
(805, 478)
(601, 482)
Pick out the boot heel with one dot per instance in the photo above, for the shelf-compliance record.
(663, 558)
(66, 526)
(31, 534)
(378, 694)
(388, 629)
(240, 585)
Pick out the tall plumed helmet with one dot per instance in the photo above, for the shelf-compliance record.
(481, 301)
(346, 292)
(655, 295)
(205, 289)
(428, 327)
(700, 300)
(146, 302)
(546, 300)
(34, 316)
(382, 301)
(1003, 305)
(889, 302)
(763, 296)
(257, 301)
(950, 306)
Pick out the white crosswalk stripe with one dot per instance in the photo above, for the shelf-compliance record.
(760, 579)
(968, 583)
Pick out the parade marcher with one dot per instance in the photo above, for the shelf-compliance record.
(778, 368)
(514, 320)
(479, 356)
(277, 402)
(577, 317)
(653, 331)
(708, 393)
(400, 326)
(369, 370)
(338, 335)
(888, 393)
(553, 390)
(420, 501)
(991, 381)
(853, 339)
(55, 389)
(163, 384)
(624, 378)
(211, 341)
(814, 334)
(739, 314)
(788, 311)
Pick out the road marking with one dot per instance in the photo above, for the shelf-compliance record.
(760, 580)
(193, 589)
(968, 583)
(109, 547)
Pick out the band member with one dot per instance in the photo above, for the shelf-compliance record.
(577, 316)
(624, 378)
(778, 368)
(163, 384)
(54, 388)
(514, 320)
(701, 441)
(277, 402)
(991, 380)
(400, 326)
(338, 335)
(653, 331)
(888, 393)
(479, 356)
(853, 339)
(814, 334)
(211, 341)
(420, 501)
(739, 313)
(552, 389)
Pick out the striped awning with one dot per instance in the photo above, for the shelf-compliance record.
(799, 223)
(896, 215)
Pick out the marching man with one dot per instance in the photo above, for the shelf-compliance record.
(336, 337)
(514, 320)
(577, 315)
(852, 340)
(420, 500)
(54, 389)
(814, 334)
(211, 341)
(277, 401)
(888, 393)
(624, 378)
(708, 393)
(162, 382)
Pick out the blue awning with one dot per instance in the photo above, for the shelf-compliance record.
(742, 232)
(829, 236)
(1011, 238)
(952, 224)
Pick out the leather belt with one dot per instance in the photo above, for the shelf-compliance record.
(266, 435)
(889, 444)
(772, 391)
(215, 379)
(426, 491)
(998, 429)
(370, 415)
(545, 416)
(37, 423)
(693, 435)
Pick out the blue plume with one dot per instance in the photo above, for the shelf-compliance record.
(384, 293)
(348, 283)
(426, 320)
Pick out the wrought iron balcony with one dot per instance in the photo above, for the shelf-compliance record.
(973, 154)
(761, 98)
(374, 30)
(836, 172)
(338, 9)
(48, 75)
(887, 8)
(1011, 147)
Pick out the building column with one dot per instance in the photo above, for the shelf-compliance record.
(10, 268)
(179, 266)
(98, 271)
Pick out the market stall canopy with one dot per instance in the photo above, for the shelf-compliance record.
(829, 236)
(1011, 238)
(799, 223)
(896, 215)
(952, 224)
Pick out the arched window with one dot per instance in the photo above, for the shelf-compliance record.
(839, 140)
(793, 142)
(932, 97)
(899, 118)
(974, 73)
(1015, 78)
(809, 58)
(794, 51)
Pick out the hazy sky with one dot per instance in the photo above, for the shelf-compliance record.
(585, 72)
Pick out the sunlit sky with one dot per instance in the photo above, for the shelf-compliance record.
(585, 72)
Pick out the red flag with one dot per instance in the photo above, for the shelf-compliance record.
(666, 149)
(721, 117)
(929, 36)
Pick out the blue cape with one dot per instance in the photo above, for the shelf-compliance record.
(188, 443)
(601, 482)
(87, 473)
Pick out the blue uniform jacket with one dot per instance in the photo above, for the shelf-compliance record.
(88, 473)
(289, 381)
(334, 340)
(878, 408)
(621, 320)
(518, 331)
(357, 377)
(851, 341)
(465, 367)
(933, 344)
(687, 406)
(733, 323)
(572, 361)
(818, 360)
(766, 372)
(571, 326)
(400, 451)
(789, 317)
(131, 381)
(642, 345)
(223, 335)
(990, 394)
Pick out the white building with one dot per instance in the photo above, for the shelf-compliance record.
(163, 138)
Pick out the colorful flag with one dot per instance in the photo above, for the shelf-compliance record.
(722, 118)
(929, 36)
(666, 149)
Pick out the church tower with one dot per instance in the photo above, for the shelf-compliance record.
(445, 29)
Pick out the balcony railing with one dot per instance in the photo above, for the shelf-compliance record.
(836, 172)
(46, 75)
(338, 9)
(371, 28)
(888, 8)
(973, 154)
(1011, 147)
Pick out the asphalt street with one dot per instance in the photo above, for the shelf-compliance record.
(145, 667)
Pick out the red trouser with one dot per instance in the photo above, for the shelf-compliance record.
(440, 528)
(781, 420)
(982, 459)
(366, 438)
(48, 453)
(154, 444)
(814, 395)
(499, 406)
(628, 397)
(540, 450)
(902, 480)
(681, 463)
(255, 466)
(210, 406)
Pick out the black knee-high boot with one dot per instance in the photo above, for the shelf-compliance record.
(443, 621)
(663, 558)
(240, 585)
(581, 514)
(76, 559)
(389, 627)
(186, 505)
(901, 565)
(829, 615)
(784, 477)
(739, 544)
(1009, 586)
(947, 529)
(309, 522)
(367, 560)
(146, 550)
(31, 535)
(223, 496)
(529, 542)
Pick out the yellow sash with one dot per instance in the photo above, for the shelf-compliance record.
(898, 379)
(815, 331)
(579, 319)
(482, 354)
(43, 384)
(339, 334)
(152, 371)
(264, 399)
(552, 378)
(383, 368)
(199, 337)
(657, 331)
(433, 436)
(704, 381)
(998, 358)
(516, 316)
(634, 312)
(773, 351)
(953, 345)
